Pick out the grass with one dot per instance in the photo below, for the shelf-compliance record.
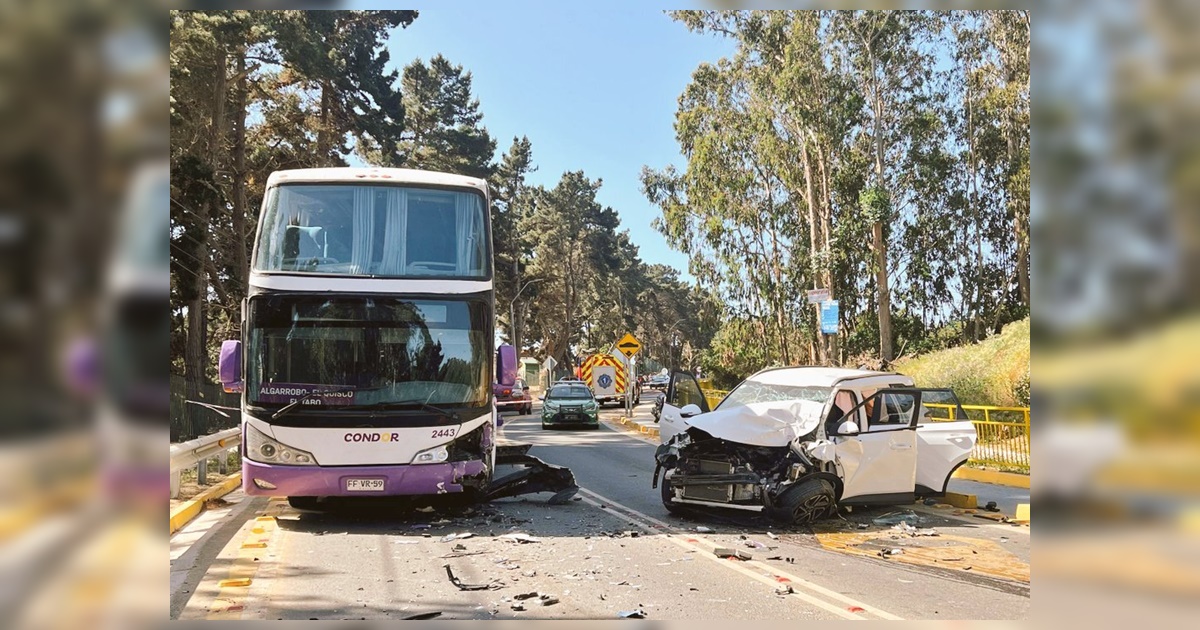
(994, 371)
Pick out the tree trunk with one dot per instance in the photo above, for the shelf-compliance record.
(195, 352)
(240, 259)
(879, 244)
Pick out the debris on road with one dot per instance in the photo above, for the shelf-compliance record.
(991, 507)
(909, 530)
(521, 538)
(452, 537)
(784, 589)
(883, 553)
(632, 614)
(529, 595)
(895, 518)
(772, 536)
(468, 587)
(703, 530)
(548, 600)
(754, 544)
(421, 526)
(422, 616)
(732, 554)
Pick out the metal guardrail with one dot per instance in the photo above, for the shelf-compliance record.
(197, 452)
(1002, 435)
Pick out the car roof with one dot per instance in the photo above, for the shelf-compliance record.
(827, 376)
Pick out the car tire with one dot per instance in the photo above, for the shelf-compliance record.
(805, 502)
(545, 427)
(668, 498)
(303, 503)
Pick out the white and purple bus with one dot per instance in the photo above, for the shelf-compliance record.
(368, 333)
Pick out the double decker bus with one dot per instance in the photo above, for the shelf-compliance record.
(368, 336)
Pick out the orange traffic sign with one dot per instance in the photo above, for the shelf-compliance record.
(629, 345)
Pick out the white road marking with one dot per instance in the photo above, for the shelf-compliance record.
(653, 525)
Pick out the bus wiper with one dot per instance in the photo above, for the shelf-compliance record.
(295, 403)
(428, 407)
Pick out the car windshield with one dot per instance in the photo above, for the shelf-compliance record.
(570, 392)
(757, 392)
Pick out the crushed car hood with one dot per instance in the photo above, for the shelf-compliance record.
(761, 424)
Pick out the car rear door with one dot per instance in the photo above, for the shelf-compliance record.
(945, 438)
(682, 390)
(879, 461)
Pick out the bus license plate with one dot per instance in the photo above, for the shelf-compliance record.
(364, 485)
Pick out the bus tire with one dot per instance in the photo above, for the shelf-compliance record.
(303, 503)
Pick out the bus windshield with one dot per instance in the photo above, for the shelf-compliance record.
(358, 351)
(383, 231)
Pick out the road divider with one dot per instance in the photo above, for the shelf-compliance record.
(190, 509)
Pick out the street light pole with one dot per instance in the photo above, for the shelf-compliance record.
(512, 319)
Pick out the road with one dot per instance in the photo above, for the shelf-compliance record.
(613, 550)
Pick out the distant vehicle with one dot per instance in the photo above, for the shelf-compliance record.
(570, 404)
(796, 442)
(659, 382)
(609, 379)
(513, 398)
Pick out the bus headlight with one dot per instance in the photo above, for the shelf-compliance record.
(434, 455)
(261, 448)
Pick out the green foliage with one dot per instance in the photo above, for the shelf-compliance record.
(994, 371)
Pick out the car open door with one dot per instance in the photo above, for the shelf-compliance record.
(682, 390)
(877, 448)
(945, 438)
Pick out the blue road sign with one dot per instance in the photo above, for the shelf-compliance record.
(829, 317)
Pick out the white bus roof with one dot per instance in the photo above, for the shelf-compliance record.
(349, 174)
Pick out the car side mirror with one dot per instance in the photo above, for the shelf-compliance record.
(848, 427)
(690, 410)
(229, 366)
(541, 398)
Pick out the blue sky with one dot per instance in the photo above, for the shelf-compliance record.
(595, 88)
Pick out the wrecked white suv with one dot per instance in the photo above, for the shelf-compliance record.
(796, 442)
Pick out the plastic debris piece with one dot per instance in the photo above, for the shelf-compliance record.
(855, 609)
(422, 526)
(784, 589)
(521, 538)
(703, 530)
(632, 614)
(423, 616)
(462, 586)
(991, 507)
(772, 536)
(517, 606)
(732, 554)
(529, 595)
(548, 600)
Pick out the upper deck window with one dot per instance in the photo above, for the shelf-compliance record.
(391, 231)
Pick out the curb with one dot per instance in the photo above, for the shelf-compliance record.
(192, 508)
(992, 476)
(651, 431)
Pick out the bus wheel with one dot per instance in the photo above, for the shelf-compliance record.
(303, 503)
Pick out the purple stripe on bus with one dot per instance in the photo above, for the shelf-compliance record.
(316, 481)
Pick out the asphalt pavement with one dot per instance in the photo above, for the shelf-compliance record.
(615, 550)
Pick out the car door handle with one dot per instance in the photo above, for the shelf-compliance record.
(901, 447)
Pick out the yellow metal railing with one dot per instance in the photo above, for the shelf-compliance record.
(1002, 434)
(714, 396)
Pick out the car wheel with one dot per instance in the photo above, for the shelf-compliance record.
(303, 503)
(805, 502)
(545, 426)
(668, 498)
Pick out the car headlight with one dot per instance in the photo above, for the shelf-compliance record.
(549, 406)
(435, 455)
(262, 448)
(589, 406)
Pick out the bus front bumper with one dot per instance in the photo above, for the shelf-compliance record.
(341, 481)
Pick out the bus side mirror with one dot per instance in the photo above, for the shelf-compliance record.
(506, 365)
(229, 367)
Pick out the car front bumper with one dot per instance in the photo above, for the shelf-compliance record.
(581, 417)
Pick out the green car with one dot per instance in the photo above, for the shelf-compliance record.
(570, 403)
